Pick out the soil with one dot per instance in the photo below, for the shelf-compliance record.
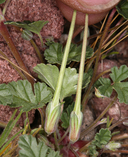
(31, 10)
(34, 10)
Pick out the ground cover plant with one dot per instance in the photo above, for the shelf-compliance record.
(69, 77)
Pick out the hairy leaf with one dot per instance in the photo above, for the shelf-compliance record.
(122, 8)
(106, 88)
(65, 117)
(21, 94)
(55, 53)
(30, 148)
(103, 137)
(120, 74)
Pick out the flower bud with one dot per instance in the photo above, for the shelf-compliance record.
(75, 126)
(52, 117)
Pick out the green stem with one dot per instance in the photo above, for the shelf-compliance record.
(5, 6)
(42, 118)
(37, 50)
(56, 142)
(42, 43)
(99, 117)
(66, 132)
(3, 124)
(97, 60)
(77, 106)
(63, 65)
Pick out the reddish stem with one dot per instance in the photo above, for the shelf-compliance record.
(4, 32)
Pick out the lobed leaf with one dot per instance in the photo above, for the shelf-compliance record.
(106, 88)
(122, 90)
(54, 54)
(103, 137)
(30, 147)
(122, 8)
(120, 74)
(21, 94)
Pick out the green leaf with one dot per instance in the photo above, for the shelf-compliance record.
(69, 85)
(120, 74)
(47, 73)
(122, 8)
(2, 1)
(34, 27)
(50, 73)
(103, 137)
(65, 117)
(122, 91)
(5, 95)
(112, 145)
(8, 130)
(106, 88)
(30, 148)
(86, 80)
(27, 35)
(22, 95)
(54, 54)
(92, 151)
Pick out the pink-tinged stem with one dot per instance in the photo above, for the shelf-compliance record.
(4, 32)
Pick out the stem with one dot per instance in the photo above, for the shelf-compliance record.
(37, 50)
(63, 66)
(120, 137)
(12, 64)
(56, 142)
(117, 123)
(64, 135)
(7, 37)
(3, 124)
(102, 73)
(77, 106)
(97, 60)
(99, 117)
(42, 118)
(17, 68)
(42, 43)
(5, 6)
